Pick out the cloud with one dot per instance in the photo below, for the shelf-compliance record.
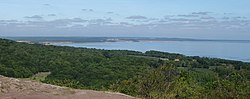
(137, 17)
(201, 13)
(88, 10)
(91, 10)
(46, 4)
(37, 17)
(139, 25)
(100, 21)
(225, 18)
(188, 15)
(125, 23)
(110, 12)
(228, 13)
(7, 21)
(51, 14)
(77, 20)
(84, 9)
(184, 20)
(64, 22)
(208, 18)
(239, 17)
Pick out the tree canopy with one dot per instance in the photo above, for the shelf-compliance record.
(152, 74)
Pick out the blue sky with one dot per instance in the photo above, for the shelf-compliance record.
(216, 19)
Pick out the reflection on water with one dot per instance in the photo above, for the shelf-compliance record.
(227, 50)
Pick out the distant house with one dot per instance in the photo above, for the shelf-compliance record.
(177, 60)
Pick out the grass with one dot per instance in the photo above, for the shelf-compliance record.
(39, 76)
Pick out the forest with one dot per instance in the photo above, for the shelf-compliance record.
(150, 75)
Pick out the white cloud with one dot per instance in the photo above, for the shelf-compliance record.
(136, 17)
(34, 17)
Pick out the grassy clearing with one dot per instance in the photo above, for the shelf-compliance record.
(39, 76)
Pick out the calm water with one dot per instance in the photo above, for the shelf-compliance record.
(226, 50)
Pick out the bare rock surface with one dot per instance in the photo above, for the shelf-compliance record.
(12, 88)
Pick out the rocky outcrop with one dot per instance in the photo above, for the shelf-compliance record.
(12, 88)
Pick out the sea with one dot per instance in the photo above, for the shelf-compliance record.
(232, 50)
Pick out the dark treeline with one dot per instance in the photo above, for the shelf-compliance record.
(151, 74)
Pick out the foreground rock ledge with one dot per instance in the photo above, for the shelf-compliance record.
(11, 88)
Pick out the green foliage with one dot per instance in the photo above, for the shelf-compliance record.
(153, 74)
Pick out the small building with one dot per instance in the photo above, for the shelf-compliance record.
(177, 60)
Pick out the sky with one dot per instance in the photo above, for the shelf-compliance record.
(208, 19)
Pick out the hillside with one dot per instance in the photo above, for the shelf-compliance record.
(152, 74)
(11, 88)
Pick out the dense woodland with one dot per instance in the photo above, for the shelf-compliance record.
(153, 74)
